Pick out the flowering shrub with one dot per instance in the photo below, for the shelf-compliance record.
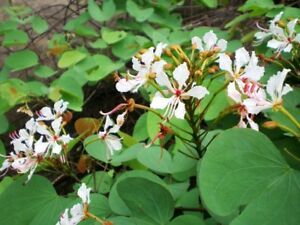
(216, 142)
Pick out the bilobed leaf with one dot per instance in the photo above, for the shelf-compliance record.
(34, 202)
(14, 38)
(4, 125)
(126, 48)
(104, 68)
(21, 60)
(156, 159)
(146, 200)
(140, 14)
(104, 14)
(96, 148)
(70, 58)
(115, 201)
(111, 36)
(242, 171)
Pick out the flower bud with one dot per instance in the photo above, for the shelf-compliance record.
(281, 24)
(270, 124)
(198, 73)
(152, 75)
(131, 104)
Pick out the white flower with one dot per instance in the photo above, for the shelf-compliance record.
(46, 113)
(174, 104)
(210, 42)
(282, 39)
(84, 193)
(245, 68)
(54, 137)
(112, 142)
(144, 67)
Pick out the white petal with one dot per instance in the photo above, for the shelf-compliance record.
(252, 124)
(225, 63)
(180, 110)
(291, 26)
(197, 92)
(114, 142)
(286, 89)
(65, 138)
(275, 44)
(159, 49)
(41, 147)
(108, 123)
(60, 106)
(56, 125)
(159, 102)
(210, 40)
(148, 57)
(157, 67)
(222, 44)
(260, 36)
(275, 85)
(181, 74)
(242, 57)
(124, 85)
(198, 43)
(297, 38)
(288, 48)
(46, 114)
(84, 193)
(136, 65)
(233, 93)
(163, 80)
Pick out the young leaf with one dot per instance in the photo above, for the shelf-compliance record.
(15, 37)
(104, 14)
(39, 25)
(70, 58)
(137, 12)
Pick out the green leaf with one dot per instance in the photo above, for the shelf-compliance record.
(15, 37)
(111, 37)
(139, 131)
(116, 203)
(7, 26)
(187, 220)
(209, 3)
(137, 12)
(104, 68)
(126, 48)
(96, 148)
(146, 200)
(34, 202)
(2, 151)
(99, 205)
(156, 159)
(36, 88)
(67, 88)
(99, 43)
(39, 25)
(4, 124)
(7, 181)
(101, 180)
(44, 71)
(70, 58)
(85, 31)
(242, 171)
(21, 60)
(104, 14)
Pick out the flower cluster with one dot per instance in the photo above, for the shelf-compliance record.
(283, 37)
(246, 91)
(78, 212)
(43, 137)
